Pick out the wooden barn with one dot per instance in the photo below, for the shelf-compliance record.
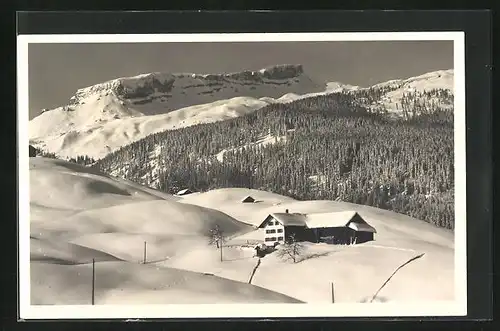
(184, 192)
(339, 228)
(334, 228)
(248, 199)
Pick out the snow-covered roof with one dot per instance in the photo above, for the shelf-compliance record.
(322, 220)
(290, 219)
(248, 199)
(362, 227)
(338, 219)
(325, 220)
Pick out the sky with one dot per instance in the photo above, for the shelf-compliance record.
(56, 71)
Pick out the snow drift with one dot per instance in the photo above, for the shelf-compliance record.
(123, 283)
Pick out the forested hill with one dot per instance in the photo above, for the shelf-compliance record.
(326, 147)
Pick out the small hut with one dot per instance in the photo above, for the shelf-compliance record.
(32, 151)
(184, 192)
(248, 199)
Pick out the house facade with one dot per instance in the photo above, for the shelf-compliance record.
(274, 231)
(279, 227)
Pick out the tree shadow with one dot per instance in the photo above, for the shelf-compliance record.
(313, 256)
(377, 299)
(239, 259)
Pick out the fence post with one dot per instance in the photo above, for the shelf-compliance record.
(221, 251)
(333, 294)
(93, 281)
(144, 261)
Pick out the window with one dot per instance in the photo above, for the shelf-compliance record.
(276, 223)
(270, 223)
(271, 231)
(280, 230)
(268, 239)
(273, 238)
(280, 238)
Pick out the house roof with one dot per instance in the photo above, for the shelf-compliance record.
(325, 220)
(322, 220)
(248, 198)
(287, 219)
(338, 219)
(362, 227)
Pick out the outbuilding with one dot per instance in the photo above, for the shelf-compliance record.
(32, 151)
(184, 192)
(341, 228)
(248, 199)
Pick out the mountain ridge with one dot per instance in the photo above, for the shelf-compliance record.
(155, 84)
(106, 116)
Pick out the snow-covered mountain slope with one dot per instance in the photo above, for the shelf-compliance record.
(98, 139)
(339, 87)
(102, 118)
(418, 91)
(440, 79)
(106, 116)
(331, 87)
(78, 215)
(261, 142)
(357, 271)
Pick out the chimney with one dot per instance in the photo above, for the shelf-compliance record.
(286, 211)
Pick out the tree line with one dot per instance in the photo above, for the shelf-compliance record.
(329, 147)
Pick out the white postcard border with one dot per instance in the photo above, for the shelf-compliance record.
(454, 308)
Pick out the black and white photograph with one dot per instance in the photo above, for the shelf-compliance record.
(224, 175)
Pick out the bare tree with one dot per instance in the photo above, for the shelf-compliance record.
(291, 249)
(395, 271)
(217, 237)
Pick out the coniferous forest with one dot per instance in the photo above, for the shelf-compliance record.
(327, 147)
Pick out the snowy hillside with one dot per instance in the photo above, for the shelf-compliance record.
(122, 283)
(339, 87)
(431, 89)
(441, 79)
(78, 214)
(356, 270)
(98, 139)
